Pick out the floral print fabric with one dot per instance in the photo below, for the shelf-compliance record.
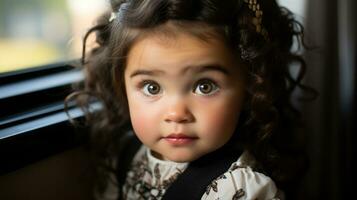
(150, 177)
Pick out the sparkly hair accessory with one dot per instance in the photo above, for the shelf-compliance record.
(254, 6)
(119, 14)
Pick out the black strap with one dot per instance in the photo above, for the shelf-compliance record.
(192, 183)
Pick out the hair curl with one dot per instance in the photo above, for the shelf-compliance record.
(269, 121)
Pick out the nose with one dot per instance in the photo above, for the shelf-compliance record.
(179, 112)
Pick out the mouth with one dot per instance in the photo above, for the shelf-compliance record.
(179, 139)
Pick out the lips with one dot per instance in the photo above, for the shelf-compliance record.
(179, 135)
(179, 139)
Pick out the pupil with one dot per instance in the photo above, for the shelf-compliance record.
(205, 88)
(153, 89)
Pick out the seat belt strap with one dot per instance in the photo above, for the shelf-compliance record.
(192, 183)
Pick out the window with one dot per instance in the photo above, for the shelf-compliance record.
(41, 36)
(39, 32)
(297, 7)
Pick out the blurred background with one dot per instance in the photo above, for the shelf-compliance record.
(39, 32)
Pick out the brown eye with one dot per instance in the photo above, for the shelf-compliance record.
(206, 87)
(151, 88)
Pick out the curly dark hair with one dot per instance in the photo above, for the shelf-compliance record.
(268, 126)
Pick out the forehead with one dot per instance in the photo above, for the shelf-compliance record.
(174, 47)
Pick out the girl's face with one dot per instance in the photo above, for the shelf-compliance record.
(184, 94)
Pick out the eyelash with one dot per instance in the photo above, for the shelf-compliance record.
(143, 86)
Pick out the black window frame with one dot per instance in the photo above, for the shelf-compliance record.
(33, 121)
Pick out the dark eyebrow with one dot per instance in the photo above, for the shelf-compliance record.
(218, 68)
(199, 69)
(146, 72)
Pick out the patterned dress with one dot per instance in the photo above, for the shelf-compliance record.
(149, 178)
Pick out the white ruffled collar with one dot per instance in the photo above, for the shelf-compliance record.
(166, 168)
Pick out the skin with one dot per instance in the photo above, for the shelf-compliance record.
(183, 85)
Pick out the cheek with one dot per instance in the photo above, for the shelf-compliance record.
(220, 119)
(221, 122)
(140, 122)
(142, 118)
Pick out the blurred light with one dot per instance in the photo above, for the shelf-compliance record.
(39, 32)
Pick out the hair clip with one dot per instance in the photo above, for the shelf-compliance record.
(254, 6)
(112, 16)
(119, 14)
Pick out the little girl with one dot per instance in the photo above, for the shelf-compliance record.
(196, 100)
